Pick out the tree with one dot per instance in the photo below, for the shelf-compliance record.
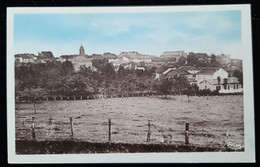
(33, 95)
(121, 72)
(180, 84)
(77, 84)
(239, 76)
(190, 90)
(67, 68)
(165, 86)
(213, 61)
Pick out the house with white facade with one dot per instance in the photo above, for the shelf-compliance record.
(139, 68)
(217, 79)
(211, 73)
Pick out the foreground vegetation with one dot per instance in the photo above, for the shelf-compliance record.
(76, 147)
(214, 120)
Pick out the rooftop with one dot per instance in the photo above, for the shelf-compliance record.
(45, 55)
(207, 71)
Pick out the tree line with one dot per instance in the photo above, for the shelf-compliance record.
(55, 79)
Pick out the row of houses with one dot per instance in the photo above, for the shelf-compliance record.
(214, 79)
(205, 78)
(78, 61)
(81, 60)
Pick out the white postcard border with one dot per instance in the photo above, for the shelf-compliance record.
(247, 156)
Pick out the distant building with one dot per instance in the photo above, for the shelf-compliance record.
(191, 76)
(81, 60)
(176, 73)
(64, 58)
(173, 56)
(139, 68)
(231, 85)
(190, 69)
(45, 56)
(119, 61)
(211, 73)
(168, 70)
(217, 79)
(81, 51)
(223, 59)
(159, 71)
(25, 58)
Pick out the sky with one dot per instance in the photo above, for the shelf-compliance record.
(208, 32)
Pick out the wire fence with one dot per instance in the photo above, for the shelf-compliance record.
(31, 128)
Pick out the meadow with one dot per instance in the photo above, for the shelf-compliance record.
(213, 120)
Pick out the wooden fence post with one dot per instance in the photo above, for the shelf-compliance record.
(109, 129)
(71, 126)
(149, 131)
(33, 129)
(51, 123)
(187, 127)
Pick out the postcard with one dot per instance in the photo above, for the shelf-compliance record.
(150, 84)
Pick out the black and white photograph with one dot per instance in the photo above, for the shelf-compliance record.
(130, 84)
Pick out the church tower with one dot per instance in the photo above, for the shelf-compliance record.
(81, 51)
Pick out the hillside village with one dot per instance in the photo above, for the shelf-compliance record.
(207, 72)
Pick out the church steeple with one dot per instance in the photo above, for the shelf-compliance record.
(81, 51)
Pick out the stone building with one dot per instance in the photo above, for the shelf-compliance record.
(81, 60)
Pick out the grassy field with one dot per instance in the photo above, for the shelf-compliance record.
(213, 120)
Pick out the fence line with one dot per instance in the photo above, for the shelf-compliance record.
(94, 96)
(50, 122)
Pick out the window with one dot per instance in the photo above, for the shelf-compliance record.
(228, 87)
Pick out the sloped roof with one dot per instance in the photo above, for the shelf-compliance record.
(186, 68)
(207, 71)
(45, 55)
(67, 56)
(25, 56)
(168, 70)
(81, 59)
(173, 73)
(173, 54)
(119, 61)
(161, 69)
(108, 55)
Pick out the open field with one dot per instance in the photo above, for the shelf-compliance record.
(214, 120)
